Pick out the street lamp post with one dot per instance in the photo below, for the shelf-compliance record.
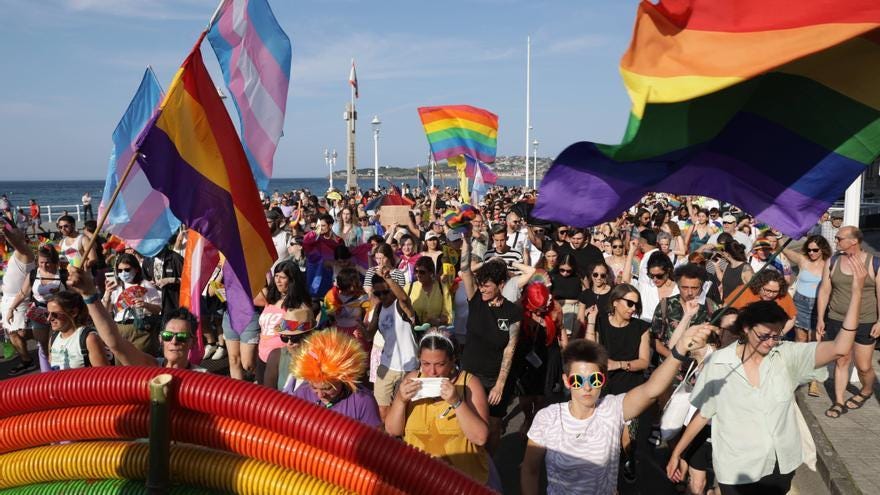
(535, 164)
(332, 166)
(327, 164)
(376, 123)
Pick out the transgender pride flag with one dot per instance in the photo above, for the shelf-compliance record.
(140, 215)
(254, 54)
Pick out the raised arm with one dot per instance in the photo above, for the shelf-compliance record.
(841, 346)
(467, 276)
(640, 398)
(81, 281)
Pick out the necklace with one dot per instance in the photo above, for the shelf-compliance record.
(562, 423)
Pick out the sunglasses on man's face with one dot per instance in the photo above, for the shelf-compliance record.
(291, 339)
(168, 336)
(593, 380)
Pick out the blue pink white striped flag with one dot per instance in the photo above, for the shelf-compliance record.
(140, 214)
(254, 54)
(489, 177)
(199, 263)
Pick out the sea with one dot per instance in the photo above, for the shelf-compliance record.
(63, 195)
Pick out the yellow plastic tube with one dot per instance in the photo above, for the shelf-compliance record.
(128, 460)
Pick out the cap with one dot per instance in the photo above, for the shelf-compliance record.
(431, 235)
(836, 214)
(728, 218)
(453, 235)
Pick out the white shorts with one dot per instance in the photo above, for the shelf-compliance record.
(19, 316)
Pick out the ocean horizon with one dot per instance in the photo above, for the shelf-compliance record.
(66, 194)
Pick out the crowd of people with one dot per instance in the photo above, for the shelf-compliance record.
(683, 319)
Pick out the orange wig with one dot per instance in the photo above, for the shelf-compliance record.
(329, 356)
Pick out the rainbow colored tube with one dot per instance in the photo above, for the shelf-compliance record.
(230, 407)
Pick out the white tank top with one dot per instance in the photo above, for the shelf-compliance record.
(65, 353)
(43, 288)
(399, 351)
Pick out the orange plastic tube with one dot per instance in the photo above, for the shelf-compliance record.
(124, 460)
(131, 421)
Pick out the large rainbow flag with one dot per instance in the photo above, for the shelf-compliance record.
(771, 105)
(192, 154)
(455, 130)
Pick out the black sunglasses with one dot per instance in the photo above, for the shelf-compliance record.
(291, 339)
(600, 275)
(617, 246)
(811, 250)
(657, 276)
(629, 304)
(126, 270)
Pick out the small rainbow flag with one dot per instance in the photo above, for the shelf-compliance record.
(455, 130)
(772, 105)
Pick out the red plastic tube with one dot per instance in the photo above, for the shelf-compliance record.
(405, 467)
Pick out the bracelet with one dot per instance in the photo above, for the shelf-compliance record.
(677, 355)
(457, 404)
(848, 329)
(91, 298)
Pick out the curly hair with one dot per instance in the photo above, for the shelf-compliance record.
(766, 276)
(494, 271)
(330, 356)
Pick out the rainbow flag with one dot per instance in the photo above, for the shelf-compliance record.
(199, 263)
(192, 154)
(140, 214)
(771, 105)
(254, 54)
(455, 130)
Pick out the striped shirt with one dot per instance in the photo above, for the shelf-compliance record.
(581, 454)
(510, 257)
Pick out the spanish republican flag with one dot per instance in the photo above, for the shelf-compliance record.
(192, 154)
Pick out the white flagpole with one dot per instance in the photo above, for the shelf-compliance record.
(215, 14)
(528, 102)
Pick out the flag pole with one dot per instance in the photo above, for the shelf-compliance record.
(106, 212)
(215, 14)
(432, 162)
(528, 102)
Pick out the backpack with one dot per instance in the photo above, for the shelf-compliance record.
(83, 346)
(62, 275)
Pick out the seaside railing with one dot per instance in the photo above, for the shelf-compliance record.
(54, 212)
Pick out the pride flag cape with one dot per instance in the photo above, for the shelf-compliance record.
(199, 263)
(140, 214)
(766, 104)
(454, 130)
(254, 54)
(192, 154)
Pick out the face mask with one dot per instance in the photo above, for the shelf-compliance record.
(126, 277)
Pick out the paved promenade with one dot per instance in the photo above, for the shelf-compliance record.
(849, 446)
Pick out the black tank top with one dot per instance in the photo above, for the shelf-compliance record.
(732, 279)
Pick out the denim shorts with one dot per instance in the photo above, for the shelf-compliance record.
(806, 311)
(250, 335)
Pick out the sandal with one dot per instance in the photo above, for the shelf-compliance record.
(836, 411)
(813, 389)
(858, 403)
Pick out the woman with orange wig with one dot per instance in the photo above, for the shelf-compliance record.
(539, 350)
(332, 363)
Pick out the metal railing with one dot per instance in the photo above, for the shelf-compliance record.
(54, 212)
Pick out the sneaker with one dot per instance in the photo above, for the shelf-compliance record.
(210, 349)
(219, 354)
(23, 367)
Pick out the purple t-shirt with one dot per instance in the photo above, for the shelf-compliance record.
(360, 405)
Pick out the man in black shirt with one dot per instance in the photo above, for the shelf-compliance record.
(493, 326)
(584, 253)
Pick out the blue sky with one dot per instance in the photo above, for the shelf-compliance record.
(73, 65)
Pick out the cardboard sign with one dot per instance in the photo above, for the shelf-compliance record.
(394, 214)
